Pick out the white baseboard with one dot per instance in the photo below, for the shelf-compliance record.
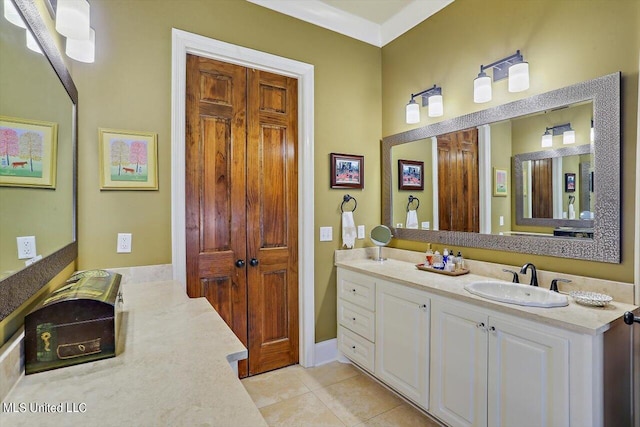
(326, 351)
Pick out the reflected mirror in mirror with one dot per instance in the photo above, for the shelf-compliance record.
(459, 170)
(31, 91)
(380, 236)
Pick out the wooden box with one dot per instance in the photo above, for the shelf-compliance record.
(77, 323)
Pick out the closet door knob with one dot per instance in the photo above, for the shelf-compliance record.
(240, 263)
(254, 262)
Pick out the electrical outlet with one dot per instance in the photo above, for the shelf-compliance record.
(26, 247)
(124, 243)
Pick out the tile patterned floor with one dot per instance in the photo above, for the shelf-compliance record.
(335, 394)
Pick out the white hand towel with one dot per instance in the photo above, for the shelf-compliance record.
(349, 232)
(572, 212)
(412, 219)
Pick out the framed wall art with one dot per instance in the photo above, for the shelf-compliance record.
(128, 160)
(347, 171)
(28, 150)
(500, 183)
(410, 175)
(569, 182)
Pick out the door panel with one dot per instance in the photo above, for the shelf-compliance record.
(215, 186)
(542, 188)
(272, 221)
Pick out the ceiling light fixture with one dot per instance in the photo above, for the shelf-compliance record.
(514, 67)
(432, 98)
(567, 132)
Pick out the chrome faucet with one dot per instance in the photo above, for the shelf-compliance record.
(534, 273)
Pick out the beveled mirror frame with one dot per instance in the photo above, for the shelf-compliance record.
(604, 92)
(19, 287)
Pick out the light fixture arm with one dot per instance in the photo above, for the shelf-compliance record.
(501, 66)
(435, 90)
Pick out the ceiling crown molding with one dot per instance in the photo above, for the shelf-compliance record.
(338, 20)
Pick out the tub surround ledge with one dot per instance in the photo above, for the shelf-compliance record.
(174, 366)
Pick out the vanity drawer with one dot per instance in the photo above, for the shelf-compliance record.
(357, 289)
(356, 348)
(357, 319)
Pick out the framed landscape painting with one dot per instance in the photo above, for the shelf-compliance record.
(128, 160)
(28, 150)
(411, 175)
(500, 185)
(347, 171)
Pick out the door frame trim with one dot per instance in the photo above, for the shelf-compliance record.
(183, 43)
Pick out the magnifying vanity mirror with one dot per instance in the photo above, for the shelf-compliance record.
(380, 236)
(489, 182)
(36, 87)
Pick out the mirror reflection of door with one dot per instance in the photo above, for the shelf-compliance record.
(542, 188)
(458, 195)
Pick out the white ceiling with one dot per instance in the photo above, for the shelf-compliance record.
(376, 22)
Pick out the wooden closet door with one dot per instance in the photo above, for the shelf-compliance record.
(272, 221)
(215, 189)
(458, 194)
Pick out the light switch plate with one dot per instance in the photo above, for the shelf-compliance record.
(501, 220)
(361, 232)
(326, 234)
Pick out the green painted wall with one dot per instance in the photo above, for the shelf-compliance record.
(565, 42)
(129, 87)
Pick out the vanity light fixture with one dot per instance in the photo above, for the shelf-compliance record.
(432, 98)
(82, 50)
(567, 132)
(11, 14)
(72, 19)
(514, 67)
(32, 44)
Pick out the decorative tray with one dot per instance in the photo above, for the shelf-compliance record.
(590, 298)
(446, 273)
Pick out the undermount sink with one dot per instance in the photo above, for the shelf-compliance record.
(517, 293)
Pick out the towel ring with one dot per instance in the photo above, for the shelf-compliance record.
(411, 200)
(346, 199)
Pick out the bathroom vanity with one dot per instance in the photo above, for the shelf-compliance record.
(472, 361)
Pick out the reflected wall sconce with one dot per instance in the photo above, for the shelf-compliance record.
(432, 98)
(514, 67)
(567, 132)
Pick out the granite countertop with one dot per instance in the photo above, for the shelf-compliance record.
(574, 317)
(172, 368)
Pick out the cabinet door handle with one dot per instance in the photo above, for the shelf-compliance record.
(240, 263)
(254, 262)
(353, 290)
(353, 318)
(480, 325)
(353, 347)
(492, 328)
(423, 306)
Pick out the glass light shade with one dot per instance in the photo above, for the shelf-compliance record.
(82, 50)
(413, 112)
(569, 137)
(33, 44)
(547, 140)
(72, 19)
(11, 14)
(436, 108)
(519, 77)
(482, 89)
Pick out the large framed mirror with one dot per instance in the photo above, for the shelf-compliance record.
(36, 87)
(491, 208)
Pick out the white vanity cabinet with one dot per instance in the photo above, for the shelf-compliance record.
(492, 370)
(356, 317)
(402, 340)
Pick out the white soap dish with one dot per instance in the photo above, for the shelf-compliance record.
(590, 298)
